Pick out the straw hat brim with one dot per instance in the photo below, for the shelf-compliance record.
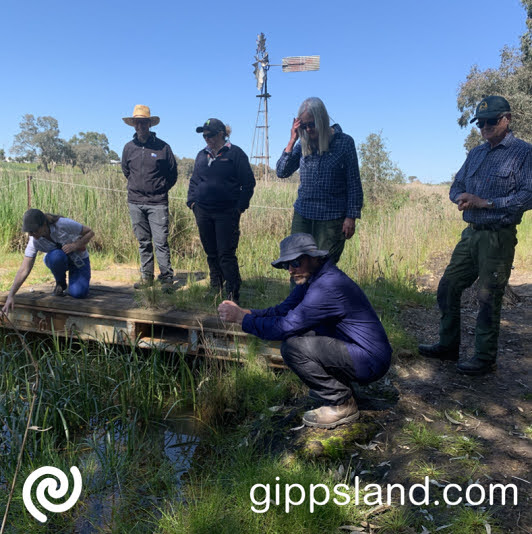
(130, 121)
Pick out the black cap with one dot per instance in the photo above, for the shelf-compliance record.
(491, 107)
(296, 245)
(33, 219)
(213, 126)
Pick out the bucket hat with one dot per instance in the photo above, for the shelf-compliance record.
(141, 112)
(296, 245)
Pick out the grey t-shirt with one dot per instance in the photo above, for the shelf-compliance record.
(64, 231)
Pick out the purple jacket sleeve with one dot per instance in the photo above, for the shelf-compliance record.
(303, 310)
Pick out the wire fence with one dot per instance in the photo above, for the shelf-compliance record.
(30, 177)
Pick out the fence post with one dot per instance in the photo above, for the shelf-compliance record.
(28, 187)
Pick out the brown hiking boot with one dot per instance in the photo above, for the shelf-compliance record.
(332, 416)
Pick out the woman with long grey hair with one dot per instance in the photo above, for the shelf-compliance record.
(330, 193)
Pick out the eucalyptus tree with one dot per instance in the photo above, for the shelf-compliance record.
(512, 80)
(38, 140)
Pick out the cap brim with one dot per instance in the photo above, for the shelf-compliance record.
(492, 115)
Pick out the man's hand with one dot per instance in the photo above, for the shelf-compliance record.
(467, 201)
(348, 228)
(231, 312)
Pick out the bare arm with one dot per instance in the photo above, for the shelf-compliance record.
(22, 273)
(86, 235)
(294, 135)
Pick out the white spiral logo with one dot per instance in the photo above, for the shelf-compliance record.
(54, 489)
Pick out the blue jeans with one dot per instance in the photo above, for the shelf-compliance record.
(150, 223)
(78, 279)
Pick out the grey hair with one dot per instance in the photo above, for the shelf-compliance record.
(317, 109)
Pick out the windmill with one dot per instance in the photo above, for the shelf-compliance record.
(260, 147)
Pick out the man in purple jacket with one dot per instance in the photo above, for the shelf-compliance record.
(331, 334)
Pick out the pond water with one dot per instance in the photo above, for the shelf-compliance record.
(175, 440)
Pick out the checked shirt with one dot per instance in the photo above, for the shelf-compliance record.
(502, 174)
(330, 184)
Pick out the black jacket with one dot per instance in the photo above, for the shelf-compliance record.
(228, 181)
(150, 169)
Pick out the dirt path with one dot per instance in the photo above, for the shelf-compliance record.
(495, 410)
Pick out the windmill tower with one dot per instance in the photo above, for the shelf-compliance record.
(260, 146)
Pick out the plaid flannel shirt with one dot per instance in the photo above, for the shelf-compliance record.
(330, 184)
(502, 174)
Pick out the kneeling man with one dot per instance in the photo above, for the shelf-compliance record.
(331, 334)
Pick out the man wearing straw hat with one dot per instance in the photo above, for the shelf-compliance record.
(331, 334)
(151, 170)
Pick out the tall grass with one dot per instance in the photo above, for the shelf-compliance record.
(99, 407)
(394, 238)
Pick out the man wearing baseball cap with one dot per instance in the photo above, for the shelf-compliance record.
(493, 189)
(151, 170)
(331, 334)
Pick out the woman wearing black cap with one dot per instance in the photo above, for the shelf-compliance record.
(220, 189)
(64, 242)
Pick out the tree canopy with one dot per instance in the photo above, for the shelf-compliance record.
(512, 80)
(38, 139)
(91, 150)
(377, 171)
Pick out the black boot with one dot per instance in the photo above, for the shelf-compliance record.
(476, 367)
(438, 351)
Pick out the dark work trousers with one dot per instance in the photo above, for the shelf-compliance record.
(323, 364)
(219, 233)
(488, 256)
(327, 234)
(78, 278)
(150, 223)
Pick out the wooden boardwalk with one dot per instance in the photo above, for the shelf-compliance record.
(112, 315)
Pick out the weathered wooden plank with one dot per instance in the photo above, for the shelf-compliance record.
(112, 315)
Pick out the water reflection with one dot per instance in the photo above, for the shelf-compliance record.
(174, 440)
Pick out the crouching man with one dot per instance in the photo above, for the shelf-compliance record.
(331, 334)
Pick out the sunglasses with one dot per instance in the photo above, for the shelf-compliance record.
(292, 263)
(490, 122)
(307, 125)
(209, 135)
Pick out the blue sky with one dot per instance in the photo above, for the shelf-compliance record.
(390, 67)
